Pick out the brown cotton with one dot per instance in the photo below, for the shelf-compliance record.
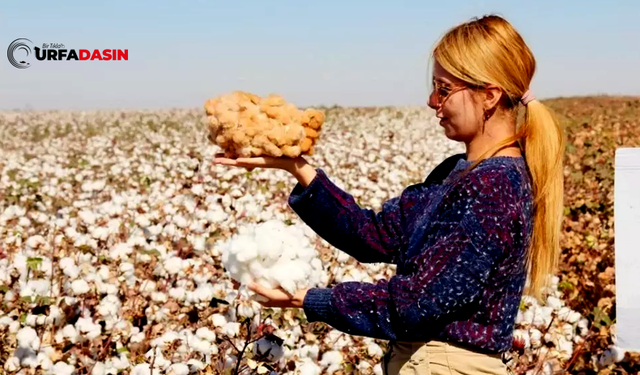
(244, 125)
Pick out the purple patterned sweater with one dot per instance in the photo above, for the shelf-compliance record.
(459, 246)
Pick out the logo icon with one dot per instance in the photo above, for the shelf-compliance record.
(18, 53)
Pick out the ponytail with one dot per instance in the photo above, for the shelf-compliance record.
(544, 145)
(542, 141)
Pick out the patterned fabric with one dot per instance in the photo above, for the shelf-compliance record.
(459, 244)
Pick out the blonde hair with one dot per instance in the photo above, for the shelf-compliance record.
(488, 50)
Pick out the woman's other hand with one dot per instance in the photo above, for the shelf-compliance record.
(279, 297)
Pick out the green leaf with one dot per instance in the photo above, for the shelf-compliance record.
(33, 263)
(4, 289)
(27, 299)
(565, 286)
(348, 367)
(153, 252)
(122, 350)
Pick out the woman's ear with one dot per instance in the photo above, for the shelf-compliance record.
(492, 96)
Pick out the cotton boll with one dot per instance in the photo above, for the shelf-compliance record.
(206, 334)
(98, 369)
(5, 321)
(14, 327)
(28, 338)
(178, 369)
(87, 217)
(141, 369)
(12, 364)
(79, 286)
(332, 361)
(535, 338)
(343, 257)
(61, 368)
(195, 365)
(554, 303)
(308, 368)
(374, 350)
(231, 329)
(219, 320)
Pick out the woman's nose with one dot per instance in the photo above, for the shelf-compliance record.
(432, 102)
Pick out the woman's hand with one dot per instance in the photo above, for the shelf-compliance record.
(287, 164)
(298, 167)
(279, 297)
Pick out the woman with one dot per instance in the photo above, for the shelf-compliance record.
(466, 242)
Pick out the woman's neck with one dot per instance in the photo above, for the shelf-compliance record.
(496, 131)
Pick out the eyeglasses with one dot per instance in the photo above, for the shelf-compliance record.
(443, 91)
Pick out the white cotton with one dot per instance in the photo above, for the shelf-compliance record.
(332, 361)
(100, 233)
(272, 254)
(98, 369)
(120, 251)
(535, 337)
(197, 189)
(87, 217)
(147, 287)
(79, 286)
(195, 364)
(141, 369)
(219, 320)
(31, 320)
(61, 368)
(308, 367)
(14, 327)
(377, 369)
(180, 221)
(554, 303)
(13, 364)
(158, 297)
(374, 350)
(231, 329)
(179, 369)
(343, 257)
(177, 293)
(28, 338)
(88, 327)
(173, 265)
(206, 334)
(138, 337)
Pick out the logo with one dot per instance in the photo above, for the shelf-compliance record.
(20, 52)
(16, 50)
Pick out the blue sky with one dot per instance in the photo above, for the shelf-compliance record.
(350, 53)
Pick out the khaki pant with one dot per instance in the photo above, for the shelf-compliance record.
(440, 358)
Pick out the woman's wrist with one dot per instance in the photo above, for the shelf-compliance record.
(302, 171)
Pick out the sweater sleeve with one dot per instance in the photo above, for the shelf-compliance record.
(441, 282)
(335, 216)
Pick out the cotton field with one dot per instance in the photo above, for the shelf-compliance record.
(118, 238)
